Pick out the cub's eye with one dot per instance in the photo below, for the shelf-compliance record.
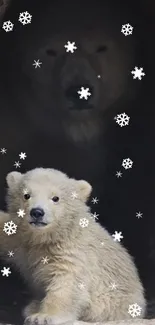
(26, 196)
(55, 198)
(102, 48)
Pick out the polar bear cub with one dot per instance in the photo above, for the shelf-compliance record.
(73, 266)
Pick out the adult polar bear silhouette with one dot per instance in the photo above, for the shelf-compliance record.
(60, 226)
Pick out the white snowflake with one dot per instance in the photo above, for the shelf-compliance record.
(74, 195)
(102, 243)
(94, 200)
(3, 151)
(113, 286)
(127, 29)
(22, 155)
(70, 47)
(17, 164)
(99, 76)
(139, 215)
(94, 216)
(25, 191)
(122, 119)
(84, 93)
(81, 285)
(8, 26)
(127, 163)
(25, 18)
(117, 236)
(45, 260)
(138, 73)
(6, 271)
(118, 174)
(10, 253)
(134, 310)
(10, 228)
(37, 64)
(84, 222)
(21, 213)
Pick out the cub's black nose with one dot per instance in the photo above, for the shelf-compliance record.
(37, 213)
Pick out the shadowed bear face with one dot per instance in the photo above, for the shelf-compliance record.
(47, 197)
(102, 63)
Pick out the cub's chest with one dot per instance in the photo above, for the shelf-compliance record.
(27, 269)
(21, 262)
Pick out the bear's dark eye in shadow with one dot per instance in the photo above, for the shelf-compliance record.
(51, 52)
(102, 48)
(26, 196)
(55, 198)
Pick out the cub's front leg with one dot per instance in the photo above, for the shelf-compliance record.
(62, 303)
(8, 238)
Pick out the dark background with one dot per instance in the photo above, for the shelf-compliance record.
(96, 161)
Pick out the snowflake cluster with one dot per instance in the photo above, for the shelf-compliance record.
(122, 120)
(22, 156)
(24, 18)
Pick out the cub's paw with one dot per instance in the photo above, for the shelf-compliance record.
(44, 319)
(31, 308)
(37, 319)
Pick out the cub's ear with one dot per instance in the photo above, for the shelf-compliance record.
(84, 190)
(13, 179)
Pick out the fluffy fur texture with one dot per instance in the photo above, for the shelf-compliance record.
(76, 255)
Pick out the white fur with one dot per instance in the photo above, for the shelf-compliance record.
(75, 254)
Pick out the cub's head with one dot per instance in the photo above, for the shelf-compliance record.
(45, 197)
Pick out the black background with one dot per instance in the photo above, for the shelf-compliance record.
(119, 199)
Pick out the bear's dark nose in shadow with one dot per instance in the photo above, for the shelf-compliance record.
(37, 214)
(73, 97)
